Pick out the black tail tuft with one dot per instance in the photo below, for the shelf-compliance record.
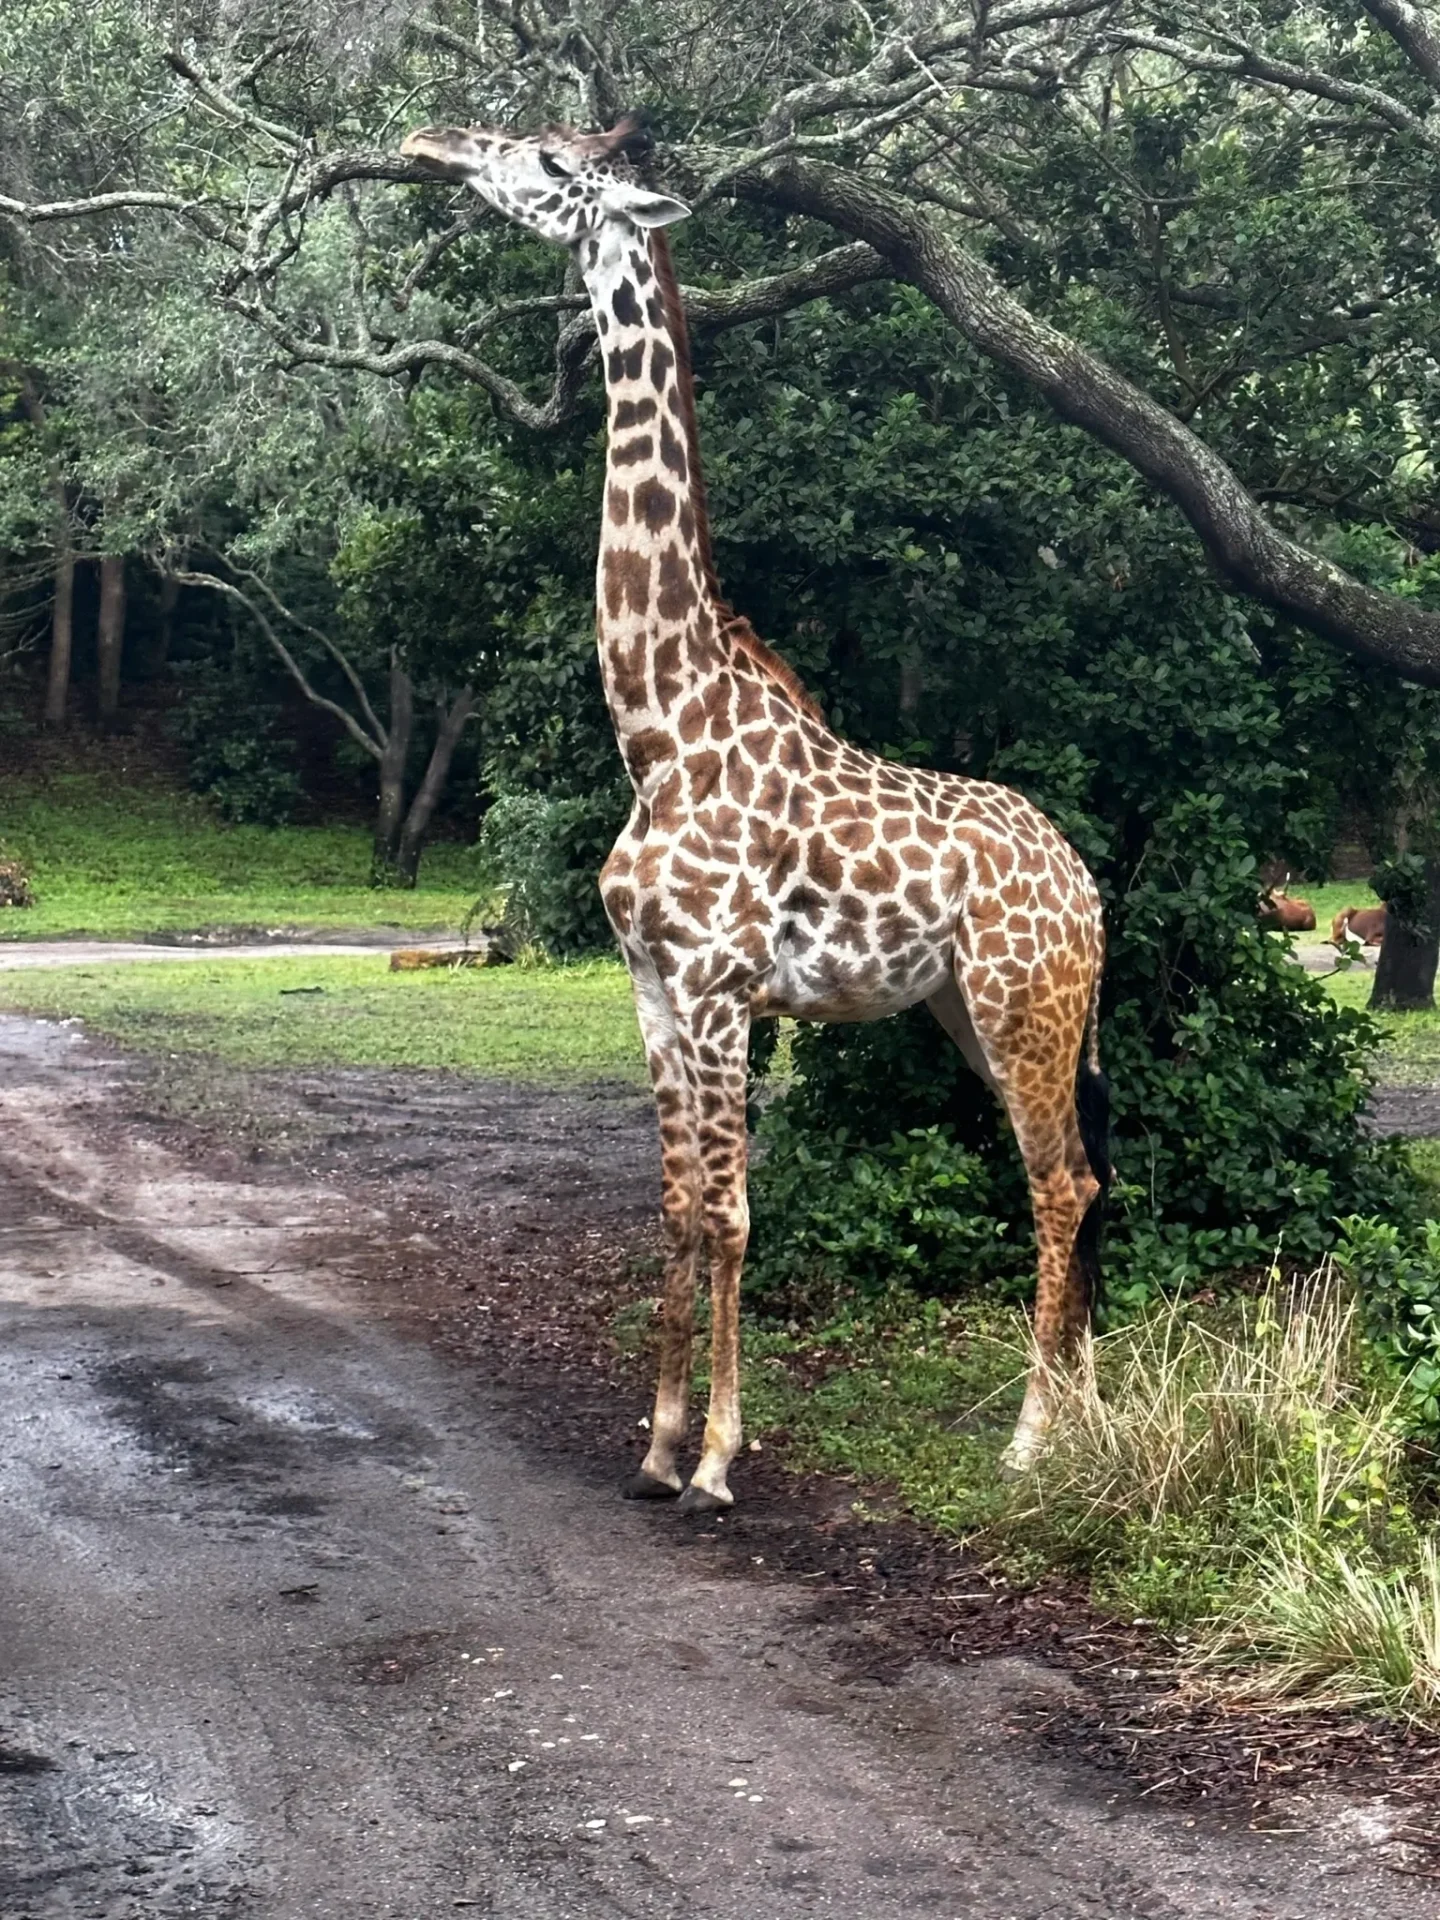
(1092, 1112)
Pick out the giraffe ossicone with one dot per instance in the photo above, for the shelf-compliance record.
(770, 868)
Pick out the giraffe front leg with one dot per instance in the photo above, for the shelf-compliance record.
(720, 1043)
(659, 1475)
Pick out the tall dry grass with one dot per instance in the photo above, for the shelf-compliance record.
(1173, 1413)
(1245, 1477)
(1328, 1626)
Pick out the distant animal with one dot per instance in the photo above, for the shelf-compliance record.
(1365, 924)
(1278, 910)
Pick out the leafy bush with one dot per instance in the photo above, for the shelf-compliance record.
(234, 749)
(1395, 1268)
(829, 1213)
(546, 854)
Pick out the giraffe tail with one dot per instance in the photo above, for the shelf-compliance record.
(1092, 1114)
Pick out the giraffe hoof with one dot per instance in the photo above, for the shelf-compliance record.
(644, 1486)
(700, 1500)
(1016, 1462)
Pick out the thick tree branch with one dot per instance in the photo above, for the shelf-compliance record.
(33, 213)
(1249, 553)
(1415, 35)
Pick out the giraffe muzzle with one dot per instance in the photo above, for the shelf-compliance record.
(445, 151)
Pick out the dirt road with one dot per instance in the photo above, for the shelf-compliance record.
(291, 1624)
(24, 956)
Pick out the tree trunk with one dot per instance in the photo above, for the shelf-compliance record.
(1405, 971)
(165, 626)
(422, 808)
(110, 634)
(62, 622)
(384, 869)
(62, 632)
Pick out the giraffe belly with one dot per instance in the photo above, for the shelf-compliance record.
(829, 984)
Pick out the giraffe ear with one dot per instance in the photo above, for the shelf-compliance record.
(640, 205)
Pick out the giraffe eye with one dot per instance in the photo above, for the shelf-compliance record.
(549, 164)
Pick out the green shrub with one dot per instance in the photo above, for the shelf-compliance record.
(234, 750)
(1395, 1269)
(829, 1213)
(546, 854)
(1237, 1091)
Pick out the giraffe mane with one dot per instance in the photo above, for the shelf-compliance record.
(734, 625)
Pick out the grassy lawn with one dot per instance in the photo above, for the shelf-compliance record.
(917, 1395)
(550, 1024)
(121, 863)
(1411, 1052)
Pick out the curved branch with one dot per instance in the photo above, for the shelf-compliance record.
(712, 310)
(1415, 36)
(1249, 553)
(34, 213)
(834, 272)
(572, 355)
(1249, 65)
(341, 659)
(189, 577)
(221, 103)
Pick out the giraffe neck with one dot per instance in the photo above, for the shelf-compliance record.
(661, 630)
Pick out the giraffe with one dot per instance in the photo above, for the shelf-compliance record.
(770, 868)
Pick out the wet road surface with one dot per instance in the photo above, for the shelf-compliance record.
(290, 1627)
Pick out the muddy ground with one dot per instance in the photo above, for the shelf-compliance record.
(316, 1598)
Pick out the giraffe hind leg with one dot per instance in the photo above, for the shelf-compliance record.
(1092, 1116)
(1031, 1034)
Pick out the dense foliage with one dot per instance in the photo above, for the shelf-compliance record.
(1395, 1266)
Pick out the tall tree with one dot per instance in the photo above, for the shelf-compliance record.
(110, 636)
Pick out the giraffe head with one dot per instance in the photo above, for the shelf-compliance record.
(563, 185)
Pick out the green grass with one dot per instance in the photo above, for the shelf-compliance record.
(119, 861)
(548, 1024)
(1410, 1054)
(918, 1396)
